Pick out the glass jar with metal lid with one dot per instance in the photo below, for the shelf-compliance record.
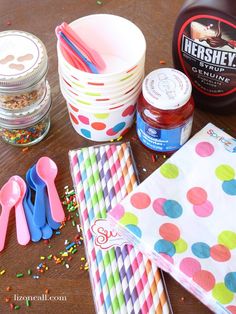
(165, 110)
(28, 125)
(23, 69)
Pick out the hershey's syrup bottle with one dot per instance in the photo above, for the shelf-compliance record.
(204, 48)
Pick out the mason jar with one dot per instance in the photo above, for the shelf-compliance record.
(28, 125)
(23, 69)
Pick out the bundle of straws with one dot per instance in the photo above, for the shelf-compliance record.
(123, 280)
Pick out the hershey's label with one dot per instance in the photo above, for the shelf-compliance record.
(207, 51)
(211, 55)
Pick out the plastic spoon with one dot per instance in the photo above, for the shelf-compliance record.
(53, 224)
(35, 232)
(46, 230)
(39, 204)
(22, 230)
(92, 54)
(9, 195)
(47, 171)
(89, 64)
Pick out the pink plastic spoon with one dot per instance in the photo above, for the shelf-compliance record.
(9, 195)
(47, 171)
(22, 230)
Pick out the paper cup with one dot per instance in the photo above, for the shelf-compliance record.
(104, 125)
(96, 108)
(120, 43)
(108, 88)
(99, 80)
(109, 104)
(97, 97)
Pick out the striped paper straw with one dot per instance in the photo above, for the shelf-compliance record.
(102, 294)
(155, 286)
(124, 273)
(142, 280)
(121, 266)
(122, 254)
(104, 272)
(108, 256)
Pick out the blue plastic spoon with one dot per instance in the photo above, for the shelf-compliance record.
(46, 230)
(37, 180)
(35, 232)
(39, 204)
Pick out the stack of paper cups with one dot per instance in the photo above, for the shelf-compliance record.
(102, 106)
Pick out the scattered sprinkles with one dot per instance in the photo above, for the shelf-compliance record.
(25, 149)
(19, 275)
(153, 158)
(63, 257)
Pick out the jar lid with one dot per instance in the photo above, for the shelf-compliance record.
(166, 89)
(26, 116)
(23, 60)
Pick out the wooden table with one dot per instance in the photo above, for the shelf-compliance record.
(156, 19)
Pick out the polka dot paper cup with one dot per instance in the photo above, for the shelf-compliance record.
(102, 126)
(100, 82)
(98, 91)
(98, 103)
(118, 41)
(102, 106)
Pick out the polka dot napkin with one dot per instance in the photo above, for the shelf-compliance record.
(184, 217)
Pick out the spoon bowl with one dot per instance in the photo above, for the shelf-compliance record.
(47, 171)
(22, 230)
(9, 196)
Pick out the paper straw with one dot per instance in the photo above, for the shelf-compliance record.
(124, 281)
(118, 198)
(143, 283)
(154, 277)
(103, 209)
(108, 257)
(127, 279)
(102, 294)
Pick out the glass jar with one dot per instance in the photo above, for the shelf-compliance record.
(23, 69)
(28, 125)
(165, 110)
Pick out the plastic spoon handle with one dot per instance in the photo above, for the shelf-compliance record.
(39, 207)
(47, 232)
(71, 55)
(68, 55)
(35, 231)
(55, 203)
(22, 230)
(85, 60)
(4, 218)
(92, 54)
(53, 224)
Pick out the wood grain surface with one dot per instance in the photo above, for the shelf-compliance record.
(156, 19)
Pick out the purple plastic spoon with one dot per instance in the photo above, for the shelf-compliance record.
(9, 195)
(47, 171)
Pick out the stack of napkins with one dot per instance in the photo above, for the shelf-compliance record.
(184, 218)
